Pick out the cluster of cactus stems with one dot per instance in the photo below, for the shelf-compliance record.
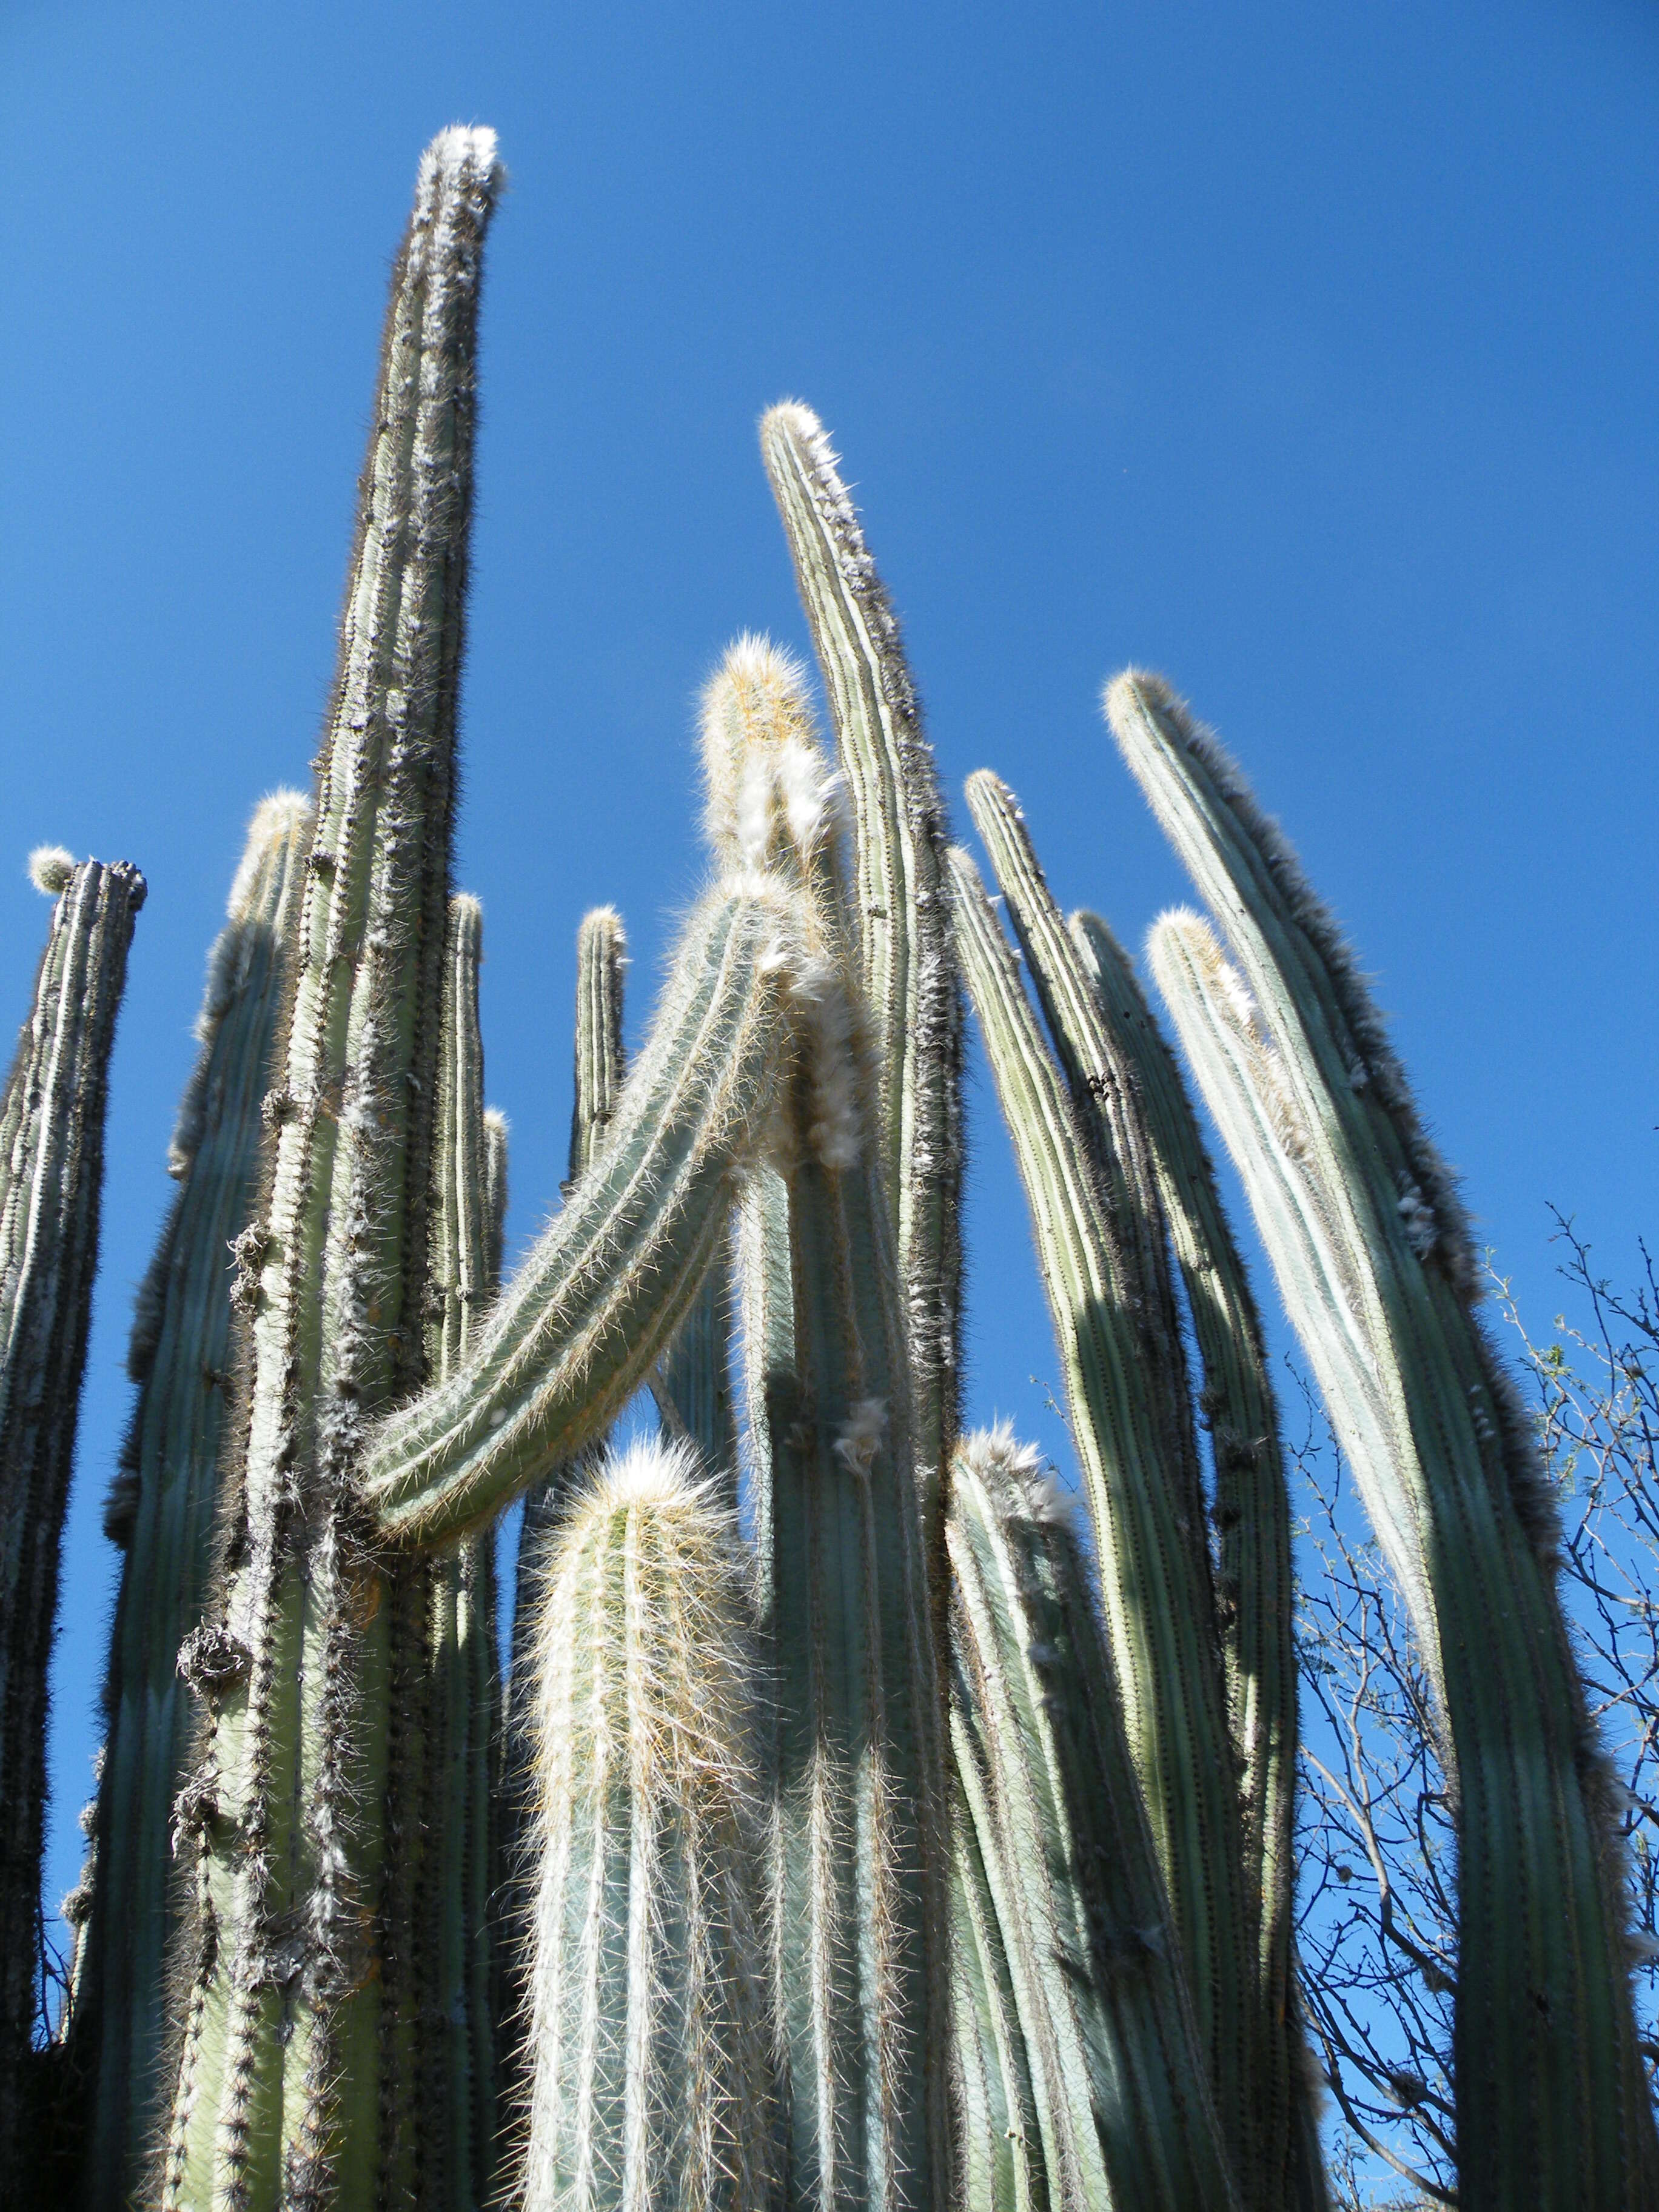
(849, 1827)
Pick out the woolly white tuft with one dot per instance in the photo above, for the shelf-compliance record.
(761, 765)
(281, 815)
(50, 869)
(463, 146)
(859, 1438)
(1029, 1485)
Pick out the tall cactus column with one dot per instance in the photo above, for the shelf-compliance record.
(162, 1505)
(859, 1876)
(287, 2080)
(1376, 1264)
(51, 1165)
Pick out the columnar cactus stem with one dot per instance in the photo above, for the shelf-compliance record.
(650, 2029)
(1376, 1264)
(902, 908)
(452, 1933)
(860, 1882)
(286, 2081)
(1146, 1509)
(163, 1502)
(1253, 1522)
(1127, 1090)
(51, 1166)
(1051, 1820)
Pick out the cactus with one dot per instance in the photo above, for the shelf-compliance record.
(650, 2036)
(907, 968)
(764, 1955)
(1053, 1835)
(161, 1505)
(1375, 1262)
(51, 1164)
(1130, 1419)
(1129, 1098)
(289, 2074)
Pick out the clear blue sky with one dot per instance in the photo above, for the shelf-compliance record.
(1306, 351)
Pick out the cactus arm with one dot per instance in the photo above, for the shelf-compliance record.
(495, 1193)
(1375, 1263)
(162, 1506)
(1125, 1087)
(52, 1158)
(281, 2084)
(907, 965)
(580, 1328)
(1158, 1605)
(1052, 1800)
(1252, 1517)
(1001, 2161)
(693, 1382)
(650, 2046)
(860, 1968)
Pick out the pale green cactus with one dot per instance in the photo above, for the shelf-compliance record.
(162, 1505)
(650, 2030)
(1377, 1266)
(51, 1165)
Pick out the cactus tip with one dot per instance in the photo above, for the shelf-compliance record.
(760, 760)
(50, 869)
(280, 817)
(463, 146)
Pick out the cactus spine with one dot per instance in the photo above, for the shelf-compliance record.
(288, 2077)
(650, 2033)
(1052, 1812)
(162, 1504)
(51, 1166)
(1375, 1263)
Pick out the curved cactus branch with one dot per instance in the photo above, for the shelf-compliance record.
(1153, 1569)
(580, 1327)
(51, 1168)
(1376, 1264)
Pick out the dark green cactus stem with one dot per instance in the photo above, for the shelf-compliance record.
(650, 2032)
(902, 905)
(693, 1382)
(859, 1883)
(52, 1169)
(1125, 1086)
(1141, 1482)
(1253, 1522)
(1053, 1845)
(163, 1502)
(291, 2080)
(451, 1934)
(1376, 1264)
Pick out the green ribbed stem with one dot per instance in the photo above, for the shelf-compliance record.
(907, 967)
(162, 1505)
(294, 2081)
(1253, 1522)
(1148, 1513)
(859, 1875)
(1377, 1266)
(1128, 1094)
(51, 1166)
(650, 2026)
(1093, 2049)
